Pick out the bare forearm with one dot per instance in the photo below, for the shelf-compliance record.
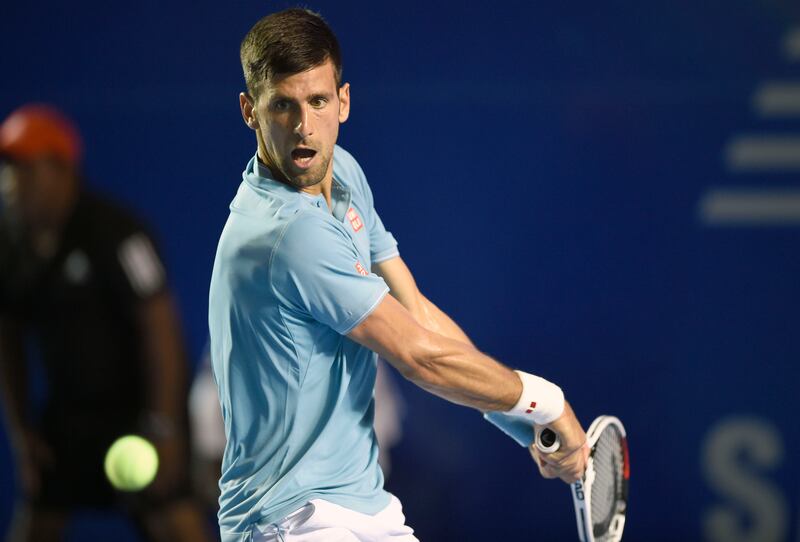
(434, 319)
(165, 361)
(461, 374)
(446, 367)
(404, 289)
(429, 315)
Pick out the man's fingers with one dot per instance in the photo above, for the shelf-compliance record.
(547, 471)
(571, 477)
(570, 471)
(568, 462)
(562, 457)
(568, 466)
(550, 472)
(544, 469)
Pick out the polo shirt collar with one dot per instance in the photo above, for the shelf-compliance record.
(260, 176)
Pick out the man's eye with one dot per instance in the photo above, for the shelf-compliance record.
(281, 105)
(318, 102)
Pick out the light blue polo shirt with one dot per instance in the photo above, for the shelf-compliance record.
(290, 279)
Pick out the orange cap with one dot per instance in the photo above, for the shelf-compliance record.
(35, 131)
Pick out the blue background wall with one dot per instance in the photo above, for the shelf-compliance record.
(543, 167)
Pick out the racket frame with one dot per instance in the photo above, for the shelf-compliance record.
(582, 489)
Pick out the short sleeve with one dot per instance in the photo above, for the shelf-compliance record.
(382, 244)
(315, 269)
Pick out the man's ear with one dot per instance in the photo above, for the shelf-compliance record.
(248, 110)
(344, 102)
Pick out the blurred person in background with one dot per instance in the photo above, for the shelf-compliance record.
(83, 289)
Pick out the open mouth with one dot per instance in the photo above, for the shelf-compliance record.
(302, 157)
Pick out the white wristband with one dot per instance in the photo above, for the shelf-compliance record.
(541, 401)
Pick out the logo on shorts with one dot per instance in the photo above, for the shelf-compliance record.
(533, 405)
(354, 219)
(361, 270)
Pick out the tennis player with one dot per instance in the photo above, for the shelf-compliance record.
(299, 312)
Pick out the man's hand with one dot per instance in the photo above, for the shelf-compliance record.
(569, 461)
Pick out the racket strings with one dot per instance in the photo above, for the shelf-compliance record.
(607, 484)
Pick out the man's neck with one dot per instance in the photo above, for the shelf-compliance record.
(323, 187)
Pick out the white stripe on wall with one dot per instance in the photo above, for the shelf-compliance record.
(791, 45)
(763, 152)
(750, 207)
(778, 99)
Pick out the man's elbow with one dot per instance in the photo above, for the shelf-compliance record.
(419, 361)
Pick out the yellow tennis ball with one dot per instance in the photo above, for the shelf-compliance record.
(131, 463)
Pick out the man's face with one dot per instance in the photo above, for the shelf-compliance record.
(296, 118)
(37, 192)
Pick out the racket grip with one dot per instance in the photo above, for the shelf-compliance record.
(547, 441)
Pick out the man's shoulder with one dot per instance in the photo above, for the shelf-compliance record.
(308, 231)
(99, 210)
(293, 232)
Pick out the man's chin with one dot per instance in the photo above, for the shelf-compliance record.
(305, 179)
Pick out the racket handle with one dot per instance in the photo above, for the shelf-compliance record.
(547, 441)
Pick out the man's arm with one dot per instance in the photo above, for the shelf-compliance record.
(166, 385)
(141, 283)
(403, 287)
(461, 374)
(165, 357)
(30, 449)
(451, 369)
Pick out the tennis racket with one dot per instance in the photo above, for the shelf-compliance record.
(601, 496)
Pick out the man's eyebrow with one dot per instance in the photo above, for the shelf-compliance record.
(314, 94)
(320, 94)
(278, 96)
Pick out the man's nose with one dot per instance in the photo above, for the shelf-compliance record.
(303, 126)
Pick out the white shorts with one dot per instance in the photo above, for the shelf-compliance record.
(323, 521)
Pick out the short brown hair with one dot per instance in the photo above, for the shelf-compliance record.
(288, 42)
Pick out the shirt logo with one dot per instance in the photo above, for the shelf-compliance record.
(354, 219)
(361, 270)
